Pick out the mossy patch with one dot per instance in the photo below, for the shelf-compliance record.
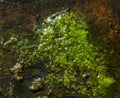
(74, 65)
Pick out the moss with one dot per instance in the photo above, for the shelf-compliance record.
(72, 62)
(17, 70)
(11, 90)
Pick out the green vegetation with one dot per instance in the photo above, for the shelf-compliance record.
(59, 48)
(73, 65)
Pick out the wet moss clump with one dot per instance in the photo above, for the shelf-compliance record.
(73, 64)
(70, 62)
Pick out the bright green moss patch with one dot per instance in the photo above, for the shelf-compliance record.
(73, 65)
